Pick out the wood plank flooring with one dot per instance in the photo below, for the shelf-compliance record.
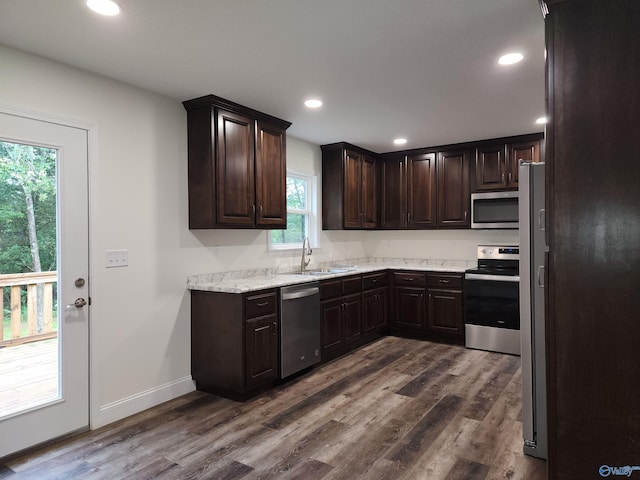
(396, 409)
(28, 375)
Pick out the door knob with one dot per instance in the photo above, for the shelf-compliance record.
(79, 303)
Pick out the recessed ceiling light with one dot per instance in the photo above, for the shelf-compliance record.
(400, 141)
(104, 7)
(313, 103)
(541, 120)
(510, 58)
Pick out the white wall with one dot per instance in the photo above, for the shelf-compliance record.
(435, 244)
(140, 327)
(140, 332)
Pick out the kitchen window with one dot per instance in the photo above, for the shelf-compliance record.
(301, 213)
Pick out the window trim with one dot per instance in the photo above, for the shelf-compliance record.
(312, 211)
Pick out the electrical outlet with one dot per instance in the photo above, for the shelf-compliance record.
(116, 258)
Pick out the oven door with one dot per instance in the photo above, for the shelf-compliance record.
(492, 300)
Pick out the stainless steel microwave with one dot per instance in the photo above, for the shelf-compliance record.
(494, 210)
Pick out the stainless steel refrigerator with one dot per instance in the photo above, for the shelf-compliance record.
(532, 324)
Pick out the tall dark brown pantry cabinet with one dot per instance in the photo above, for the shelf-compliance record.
(593, 215)
(237, 166)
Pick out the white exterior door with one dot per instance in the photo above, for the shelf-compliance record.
(68, 410)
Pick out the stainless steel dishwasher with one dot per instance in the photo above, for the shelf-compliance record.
(299, 327)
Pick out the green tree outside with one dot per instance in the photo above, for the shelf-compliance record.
(27, 212)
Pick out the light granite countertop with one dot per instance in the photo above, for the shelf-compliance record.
(251, 280)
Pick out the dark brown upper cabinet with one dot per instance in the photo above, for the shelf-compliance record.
(425, 190)
(237, 166)
(349, 188)
(408, 197)
(497, 165)
(453, 189)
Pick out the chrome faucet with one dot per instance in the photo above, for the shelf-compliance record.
(306, 250)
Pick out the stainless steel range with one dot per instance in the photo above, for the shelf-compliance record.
(491, 300)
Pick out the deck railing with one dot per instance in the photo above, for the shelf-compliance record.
(32, 283)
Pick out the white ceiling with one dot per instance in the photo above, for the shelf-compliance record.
(422, 69)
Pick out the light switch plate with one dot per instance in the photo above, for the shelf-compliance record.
(116, 258)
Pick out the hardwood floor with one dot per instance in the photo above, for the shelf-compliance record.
(28, 375)
(395, 409)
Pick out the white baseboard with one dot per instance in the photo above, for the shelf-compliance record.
(125, 407)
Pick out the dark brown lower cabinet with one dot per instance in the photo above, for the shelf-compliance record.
(234, 337)
(409, 309)
(445, 307)
(261, 350)
(409, 303)
(352, 317)
(374, 311)
(375, 315)
(428, 305)
(341, 324)
(445, 313)
(234, 342)
(331, 323)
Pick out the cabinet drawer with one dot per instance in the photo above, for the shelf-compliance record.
(330, 289)
(409, 279)
(260, 304)
(374, 280)
(351, 285)
(444, 280)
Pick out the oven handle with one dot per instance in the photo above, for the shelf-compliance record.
(493, 278)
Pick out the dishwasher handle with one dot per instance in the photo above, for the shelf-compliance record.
(307, 292)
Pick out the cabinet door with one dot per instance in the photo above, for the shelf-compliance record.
(394, 193)
(453, 189)
(352, 190)
(331, 324)
(369, 311)
(518, 153)
(490, 168)
(235, 170)
(261, 350)
(271, 174)
(409, 308)
(382, 314)
(369, 192)
(421, 190)
(352, 317)
(445, 312)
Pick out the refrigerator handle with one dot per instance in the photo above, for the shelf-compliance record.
(541, 276)
(542, 219)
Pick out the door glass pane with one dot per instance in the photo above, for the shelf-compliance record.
(29, 355)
